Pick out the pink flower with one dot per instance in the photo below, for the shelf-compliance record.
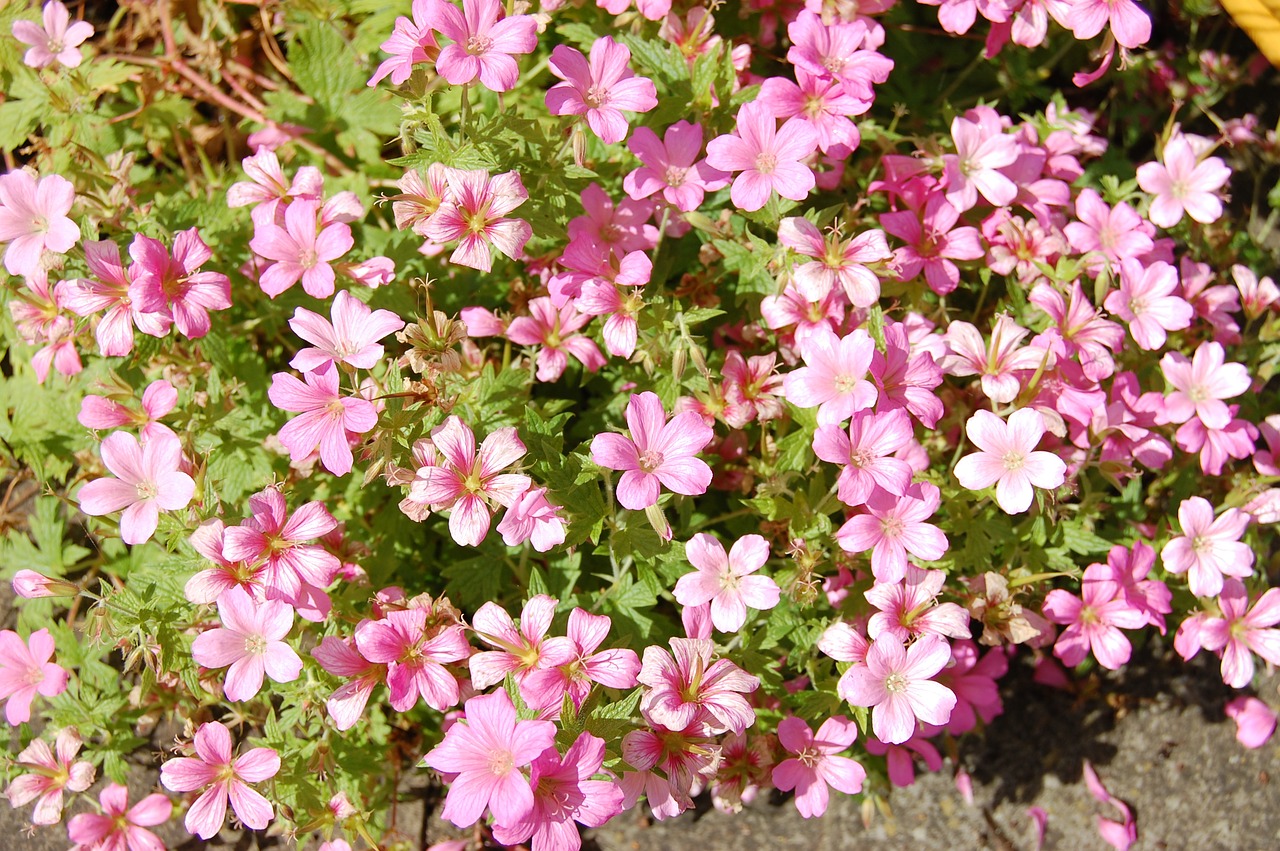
(726, 581)
(51, 772)
(615, 668)
(974, 682)
(120, 826)
(820, 101)
(148, 481)
(303, 249)
(1119, 835)
(56, 43)
(601, 87)
(556, 331)
(900, 763)
(339, 657)
(268, 188)
(531, 517)
(1209, 548)
(474, 213)
(909, 607)
(1201, 384)
(415, 661)
(621, 228)
(905, 379)
(1008, 460)
(102, 413)
(467, 481)
(1146, 301)
(865, 454)
(689, 687)
(834, 377)
(1116, 233)
(982, 148)
(33, 219)
(769, 158)
(483, 46)
(897, 684)
(894, 526)
(1093, 621)
(1081, 328)
(1255, 721)
(1182, 184)
(1256, 295)
(815, 763)
(672, 167)
(326, 417)
(408, 45)
(221, 776)
(658, 453)
(32, 585)
(1243, 631)
(564, 793)
(109, 290)
(836, 261)
(933, 243)
(838, 51)
(519, 652)
(1130, 569)
(1129, 22)
(250, 642)
(999, 362)
(352, 338)
(486, 752)
(174, 286)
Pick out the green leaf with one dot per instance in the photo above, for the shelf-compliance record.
(1083, 542)
(324, 66)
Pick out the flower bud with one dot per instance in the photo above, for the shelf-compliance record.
(29, 584)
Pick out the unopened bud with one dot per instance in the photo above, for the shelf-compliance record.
(579, 146)
(29, 584)
(341, 806)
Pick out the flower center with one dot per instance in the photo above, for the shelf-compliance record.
(766, 163)
(255, 645)
(809, 757)
(650, 460)
(1198, 393)
(834, 64)
(895, 683)
(597, 96)
(891, 527)
(40, 224)
(307, 258)
(675, 175)
(147, 489)
(1013, 460)
(1202, 545)
(845, 384)
(1137, 306)
(478, 44)
(860, 458)
(501, 763)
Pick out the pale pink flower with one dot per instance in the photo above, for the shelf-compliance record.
(468, 481)
(621, 228)
(834, 377)
(474, 213)
(1256, 295)
(1255, 721)
(532, 517)
(866, 454)
(486, 752)
(1001, 363)
(615, 668)
(221, 776)
(600, 87)
(520, 652)
(894, 526)
(1081, 328)
(898, 684)
(484, 43)
(843, 643)
(982, 149)
(840, 50)
(564, 793)
(1115, 233)
(1093, 621)
(339, 657)
(1008, 460)
(672, 167)
(148, 480)
(174, 286)
(120, 826)
(26, 668)
(352, 338)
(411, 42)
(974, 682)
(109, 290)
(725, 581)
(836, 261)
(51, 772)
(669, 763)
(768, 158)
(1181, 184)
(415, 661)
(556, 334)
(33, 219)
(250, 641)
(102, 413)
(302, 249)
(1242, 631)
(658, 453)
(1147, 302)
(933, 242)
(326, 417)
(57, 42)
(815, 762)
(1208, 548)
(268, 188)
(1129, 22)
(1201, 384)
(689, 687)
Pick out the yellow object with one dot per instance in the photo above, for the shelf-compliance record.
(1261, 20)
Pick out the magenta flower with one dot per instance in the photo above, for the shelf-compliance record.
(486, 752)
(1081, 328)
(1129, 22)
(174, 286)
(408, 45)
(109, 290)
(564, 793)
(974, 682)
(33, 219)
(520, 652)
(1093, 621)
(815, 762)
(837, 50)
(120, 826)
(1147, 302)
(531, 517)
(148, 480)
(1008, 460)
(820, 101)
(474, 213)
(326, 416)
(1208, 548)
(834, 377)
(268, 188)
(658, 453)
(600, 87)
(1201, 384)
(905, 378)
(556, 333)
(998, 362)
(303, 249)
(220, 777)
(415, 661)
(725, 581)
(836, 261)
(690, 688)
(1255, 721)
(616, 668)
(102, 413)
(58, 42)
(933, 243)
(769, 159)
(467, 481)
(1183, 185)
(899, 759)
(51, 772)
(352, 338)
(898, 684)
(866, 454)
(672, 167)
(483, 45)
(250, 641)
(893, 526)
